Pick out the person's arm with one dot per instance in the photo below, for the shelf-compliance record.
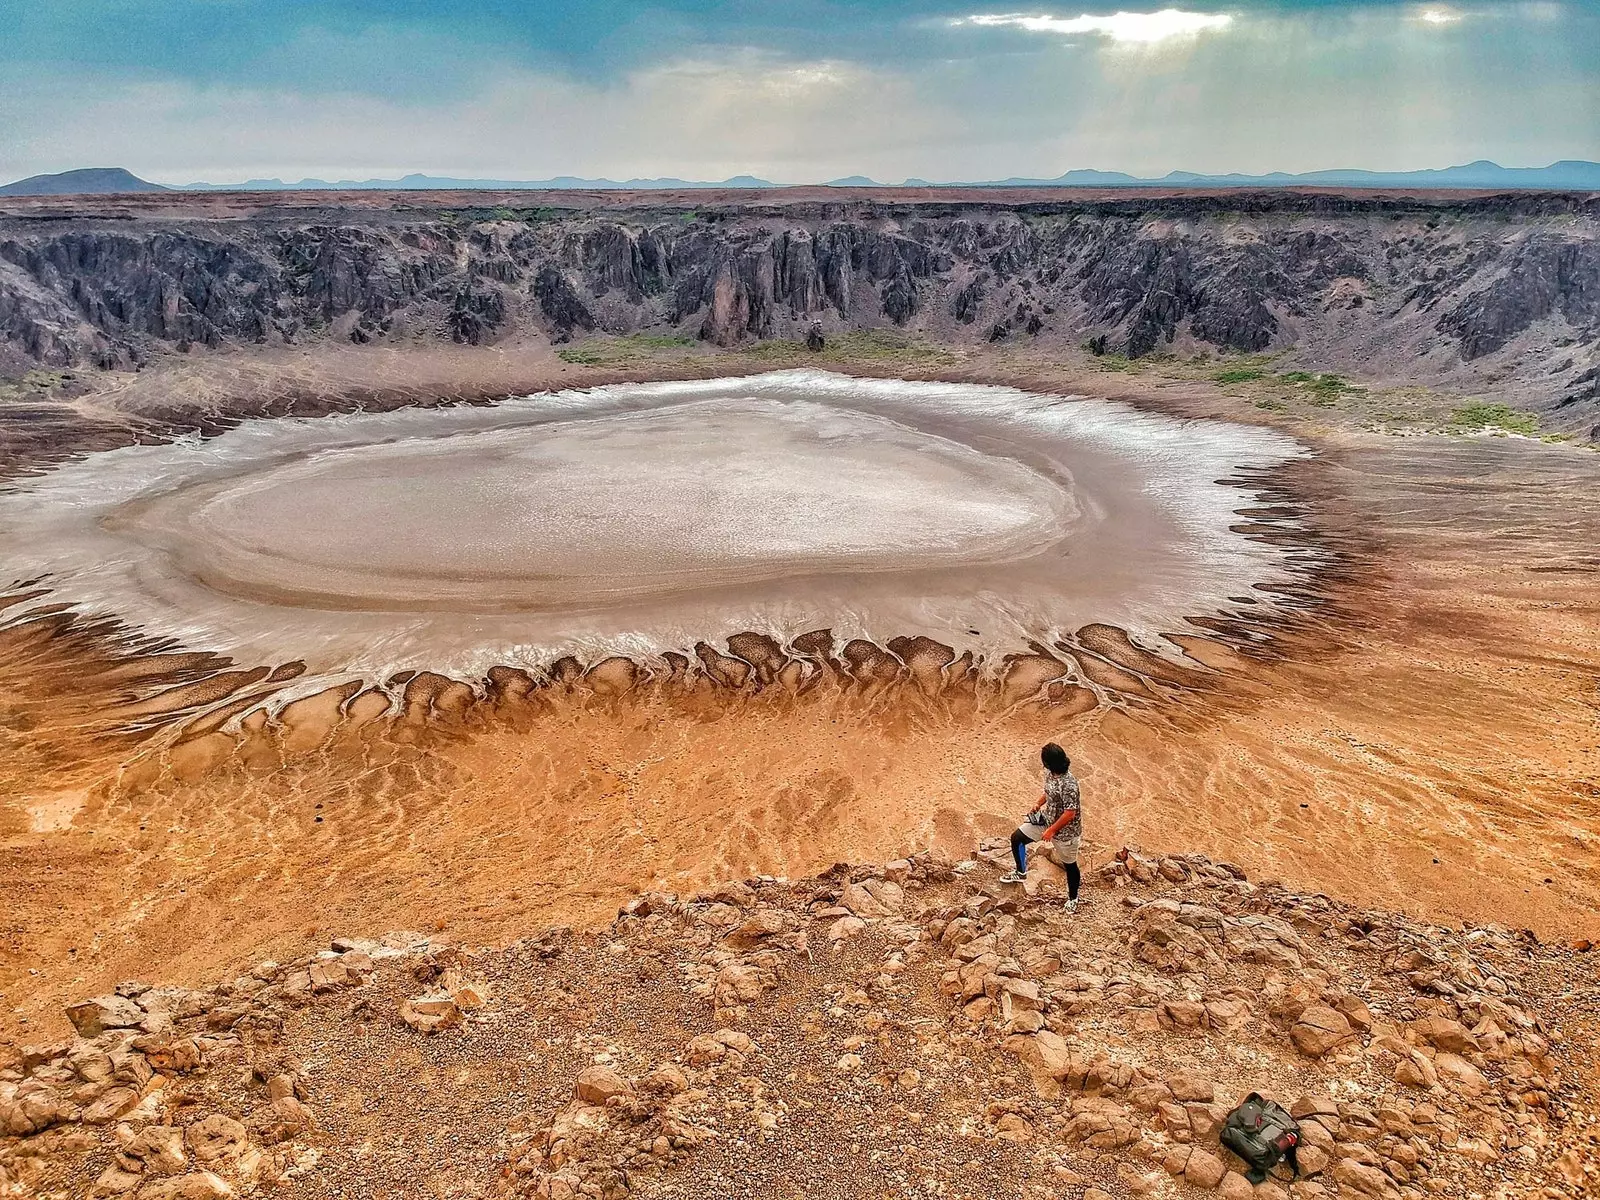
(1059, 822)
(1037, 811)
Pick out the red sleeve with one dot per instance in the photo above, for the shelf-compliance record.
(1059, 822)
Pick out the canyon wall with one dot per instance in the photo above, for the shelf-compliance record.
(1491, 295)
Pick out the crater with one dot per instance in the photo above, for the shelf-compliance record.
(638, 519)
(586, 512)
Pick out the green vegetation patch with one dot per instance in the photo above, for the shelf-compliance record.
(1240, 375)
(1477, 416)
(879, 346)
(617, 351)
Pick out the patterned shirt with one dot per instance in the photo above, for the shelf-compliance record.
(1060, 795)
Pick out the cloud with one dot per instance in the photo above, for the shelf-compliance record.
(1439, 16)
(1128, 27)
(695, 118)
(1280, 89)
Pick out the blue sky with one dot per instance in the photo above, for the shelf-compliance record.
(794, 90)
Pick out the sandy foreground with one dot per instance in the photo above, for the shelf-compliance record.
(1424, 736)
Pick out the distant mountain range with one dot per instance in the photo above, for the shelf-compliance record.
(1568, 175)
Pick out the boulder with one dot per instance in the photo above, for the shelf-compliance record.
(215, 1138)
(198, 1185)
(1047, 1057)
(32, 1107)
(845, 928)
(1319, 1030)
(431, 1012)
(1446, 1035)
(1190, 1086)
(597, 1085)
(94, 1016)
(862, 902)
(158, 1149)
(1203, 1169)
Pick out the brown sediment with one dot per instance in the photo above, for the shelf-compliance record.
(1416, 725)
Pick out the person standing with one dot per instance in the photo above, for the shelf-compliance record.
(1058, 819)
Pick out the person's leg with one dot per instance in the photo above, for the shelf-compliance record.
(1019, 850)
(1074, 877)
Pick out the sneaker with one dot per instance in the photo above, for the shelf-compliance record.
(1012, 877)
(1072, 906)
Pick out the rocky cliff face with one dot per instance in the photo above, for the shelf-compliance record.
(1496, 293)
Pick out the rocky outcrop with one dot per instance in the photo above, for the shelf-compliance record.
(950, 1028)
(1458, 290)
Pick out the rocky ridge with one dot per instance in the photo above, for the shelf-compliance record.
(1490, 292)
(910, 1029)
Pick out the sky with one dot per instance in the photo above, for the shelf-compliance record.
(790, 90)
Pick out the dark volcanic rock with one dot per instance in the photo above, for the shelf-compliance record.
(559, 302)
(1542, 277)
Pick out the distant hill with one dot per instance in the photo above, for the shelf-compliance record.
(1568, 175)
(417, 182)
(84, 181)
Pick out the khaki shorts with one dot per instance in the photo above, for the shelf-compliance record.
(1062, 850)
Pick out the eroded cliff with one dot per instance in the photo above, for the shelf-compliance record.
(1494, 294)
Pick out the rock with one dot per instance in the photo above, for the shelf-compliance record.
(159, 1149)
(199, 1185)
(94, 1016)
(1047, 1057)
(862, 902)
(1313, 1159)
(116, 1180)
(1188, 1086)
(431, 1012)
(1235, 1186)
(1446, 1035)
(1203, 1169)
(1359, 1177)
(845, 928)
(1319, 1030)
(112, 1104)
(32, 1107)
(216, 1137)
(1460, 1076)
(597, 1085)
(667, 1079)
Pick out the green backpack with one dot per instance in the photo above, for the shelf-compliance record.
(1263, 1134)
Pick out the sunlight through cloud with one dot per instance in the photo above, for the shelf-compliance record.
(1139, 28)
